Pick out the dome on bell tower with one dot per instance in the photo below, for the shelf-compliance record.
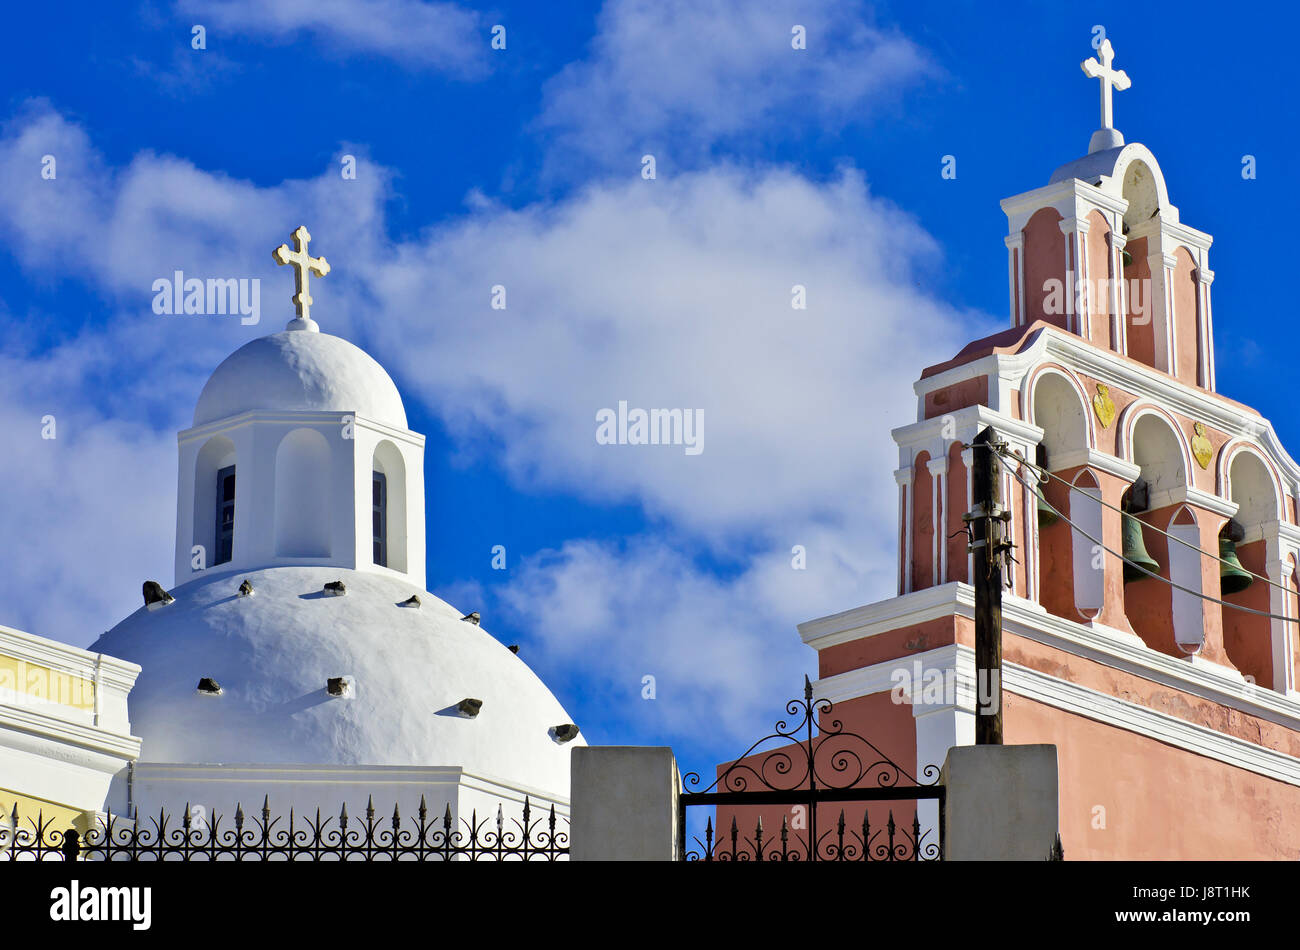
(300, 455)
(300, 370)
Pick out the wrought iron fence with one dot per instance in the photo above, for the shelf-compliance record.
(268, 838)
(821, 764)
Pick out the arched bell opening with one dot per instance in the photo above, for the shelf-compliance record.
(214, 502)
(1058, 408)
(388, 507)
(1185, 572)
(1243, 543)
(1045, 278)
(1087, 556)
(302, 495)
(1166, 619)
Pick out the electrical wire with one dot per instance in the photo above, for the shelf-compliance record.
(1187, 590)
(1044, 473)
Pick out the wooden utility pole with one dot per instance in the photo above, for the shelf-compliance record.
(987, 521)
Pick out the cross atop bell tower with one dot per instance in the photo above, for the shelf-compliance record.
(304, 265)
(1099, 67)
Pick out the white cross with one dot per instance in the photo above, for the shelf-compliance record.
(1109, 77)
(303, 265)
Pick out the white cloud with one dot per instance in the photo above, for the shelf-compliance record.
(417, 34)
(677, 294)
(721, 650)
(118, 229)
(674, 77)
(88, 515)
(671, 293)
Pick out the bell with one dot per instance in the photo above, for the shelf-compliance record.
(1233, 578)
(1135, 551)
(1046, 514)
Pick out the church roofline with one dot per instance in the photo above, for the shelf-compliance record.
(1018, 340)
(1030, 201)
(305, 417)
(1010, 340)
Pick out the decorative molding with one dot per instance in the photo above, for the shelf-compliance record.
(968, 418)
(1098, 460)
(1129, 376)
(958, 662)
(18, 721)
(1196, 497)
(303, 418)
(66, 658)
(1090, 641)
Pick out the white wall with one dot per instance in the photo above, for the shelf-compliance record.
(309, 506)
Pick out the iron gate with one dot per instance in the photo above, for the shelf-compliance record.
(821, 765)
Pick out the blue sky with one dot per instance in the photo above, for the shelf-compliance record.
(522, 167)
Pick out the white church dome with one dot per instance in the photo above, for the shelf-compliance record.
(300, 370)
(272, 654)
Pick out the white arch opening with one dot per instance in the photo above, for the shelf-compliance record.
(302, 496)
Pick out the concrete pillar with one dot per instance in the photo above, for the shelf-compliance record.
(1001, 803)
(624, 804)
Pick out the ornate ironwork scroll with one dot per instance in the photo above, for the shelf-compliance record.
(821, 763)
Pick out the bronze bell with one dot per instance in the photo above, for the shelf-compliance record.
(1046, 514)
(1233, 578)
(1135, 551)
(1134, 548)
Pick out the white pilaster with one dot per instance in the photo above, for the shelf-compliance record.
(968, 460)
(1280, 572)
(939, 509)
(903, 476)
(1204, 278)
(1118, 294)
(1016, 275)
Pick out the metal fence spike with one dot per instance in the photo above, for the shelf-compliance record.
(203, 842)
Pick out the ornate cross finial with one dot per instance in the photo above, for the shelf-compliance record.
(304, 266)
(1110, 78)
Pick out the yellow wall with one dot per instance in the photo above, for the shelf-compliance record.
(41, 682)
(54, 815)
